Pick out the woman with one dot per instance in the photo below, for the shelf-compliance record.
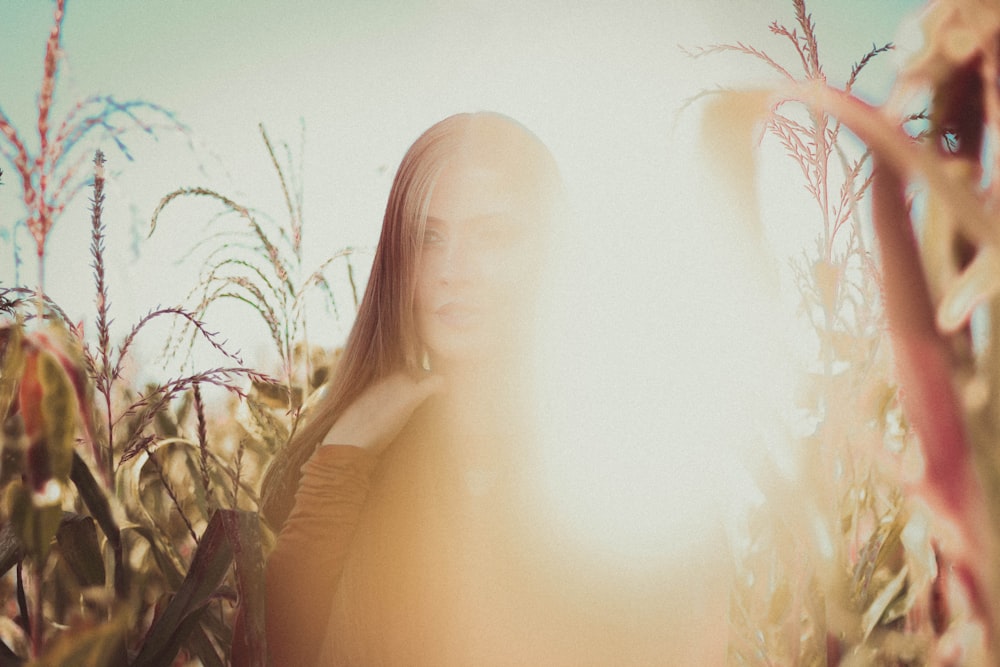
(415, 538)
(450, 291)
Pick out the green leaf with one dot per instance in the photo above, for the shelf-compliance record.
(232, 537)
(202, 648)
(168, 645)
(169, 566)
(263, 424)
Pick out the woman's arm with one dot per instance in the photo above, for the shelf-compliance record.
(304, 569)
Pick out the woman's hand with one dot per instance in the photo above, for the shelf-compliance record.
(377, 416)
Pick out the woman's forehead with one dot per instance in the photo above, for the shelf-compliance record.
(475, 188)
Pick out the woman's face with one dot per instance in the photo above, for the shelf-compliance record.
(479, 263)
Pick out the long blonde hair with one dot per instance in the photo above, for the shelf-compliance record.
(383, 339)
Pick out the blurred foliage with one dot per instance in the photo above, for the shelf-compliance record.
(130, 534)
(130, 522)
(876, 545)
(128, 529)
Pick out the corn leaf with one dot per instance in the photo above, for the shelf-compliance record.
(97, 504)
(35, 526)
(8, 658)
(247, 536)
(101, 645)
(11, 366)
(77, 539)
(11, 550)
(212, 560)
(731, 129)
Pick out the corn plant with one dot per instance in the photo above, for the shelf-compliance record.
(147, 550)
(120, 530)
(891, 548)
(52, 173)
(260, 264)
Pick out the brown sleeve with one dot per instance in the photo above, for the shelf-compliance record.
(304, 568)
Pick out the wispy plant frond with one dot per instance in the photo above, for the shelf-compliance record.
(21, 299)
(867, 58)
(264, 269)
(294, 209)
(47, 182)
(271, 250)
(190, 318)
(741, 48)
(152, 403)
(77, 570)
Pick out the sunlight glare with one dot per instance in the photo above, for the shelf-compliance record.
(666, 370)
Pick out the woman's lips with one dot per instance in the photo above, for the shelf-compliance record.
(456, 314)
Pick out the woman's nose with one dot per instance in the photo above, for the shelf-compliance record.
(457, 266)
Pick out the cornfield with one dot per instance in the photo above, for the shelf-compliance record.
(129, 528)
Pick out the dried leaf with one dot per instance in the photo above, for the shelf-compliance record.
(182, 614)
(979, 282)
(827, 276)
(101, 645)
(77, 539)
(49, 410)
(11, 366)
(877, 610)
(97, 503)
(30, 397)
(731, 130)
(35, 525)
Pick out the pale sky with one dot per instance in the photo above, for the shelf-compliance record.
(657, 307)
(599, 84)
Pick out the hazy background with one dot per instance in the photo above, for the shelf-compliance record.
(663, 335)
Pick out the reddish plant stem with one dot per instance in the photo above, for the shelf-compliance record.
(923, 360)
(923, 365)
(106, 377)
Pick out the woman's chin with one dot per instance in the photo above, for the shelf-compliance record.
(467, 353)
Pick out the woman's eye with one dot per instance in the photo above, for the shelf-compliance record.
(432, 237)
